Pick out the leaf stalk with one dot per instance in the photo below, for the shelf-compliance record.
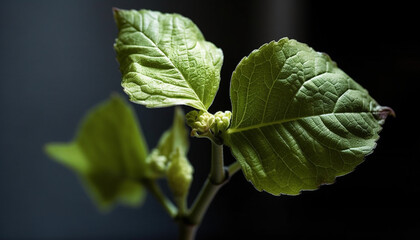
(157, 192)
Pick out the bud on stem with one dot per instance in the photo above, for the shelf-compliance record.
(205, 124)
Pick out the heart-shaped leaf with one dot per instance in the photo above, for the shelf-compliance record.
(165, 60)
(298, 121)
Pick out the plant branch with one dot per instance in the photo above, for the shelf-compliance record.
(156, 191)
(204, 198)
(233, 168)
(187, 231)
(217, 172)
(212, 185)
(219, 175)
(181, 202)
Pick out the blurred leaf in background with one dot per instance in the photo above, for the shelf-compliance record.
(108, 154)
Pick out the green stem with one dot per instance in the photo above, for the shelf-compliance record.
(155, 190)
(217, 171)
(233, 168)
(205, 197)
(212, 185)
(187, 231)
(219, 175)
(181, 202)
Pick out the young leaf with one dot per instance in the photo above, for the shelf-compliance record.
(108, 154)
(165, 60)
(176, 137)
(169, 159)
(298, 121)
(173, 140)
(179, 174)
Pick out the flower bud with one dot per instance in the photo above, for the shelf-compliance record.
(179, 174)
(157, 163)
(222, 121)
(200, 122)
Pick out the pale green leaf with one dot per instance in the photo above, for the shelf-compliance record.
(174, 145)
(172, 141)
(176, 137)
(298, 121)
(165, 60)
(179, 174)
(108, 153)
(68, 154)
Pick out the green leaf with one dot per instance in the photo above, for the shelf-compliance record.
(108, 153)
(298, 121)
(173, 140)
(70, 155)
(179, 174)
(165, 60)
(176, 137)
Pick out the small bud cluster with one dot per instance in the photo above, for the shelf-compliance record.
(157, 162)
(205, 123)
(200, 122)
(179, 174)
(176, 168)
(222, 121)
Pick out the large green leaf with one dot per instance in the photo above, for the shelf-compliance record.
(298, 121)
(165, 60)
(108, 153)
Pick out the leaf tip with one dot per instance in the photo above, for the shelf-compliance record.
(115, 10)
(47, 149)
(50, 149)
(383, 112)
(115, 96)
(117, 14)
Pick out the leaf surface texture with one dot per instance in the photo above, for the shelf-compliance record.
(165, 60)
(298, 121)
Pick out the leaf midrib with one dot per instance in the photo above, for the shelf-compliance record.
(261, 125)
(170, 60)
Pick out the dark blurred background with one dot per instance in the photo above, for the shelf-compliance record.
(57, 61)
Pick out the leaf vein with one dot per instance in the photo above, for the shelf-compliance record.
(172, 63)
(235, 130)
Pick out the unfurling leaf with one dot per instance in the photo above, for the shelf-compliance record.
(175, 137)
(169, 159)
(298, 121)
(108, 153)
(165, 60)
(179, 174)
(173, 140)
